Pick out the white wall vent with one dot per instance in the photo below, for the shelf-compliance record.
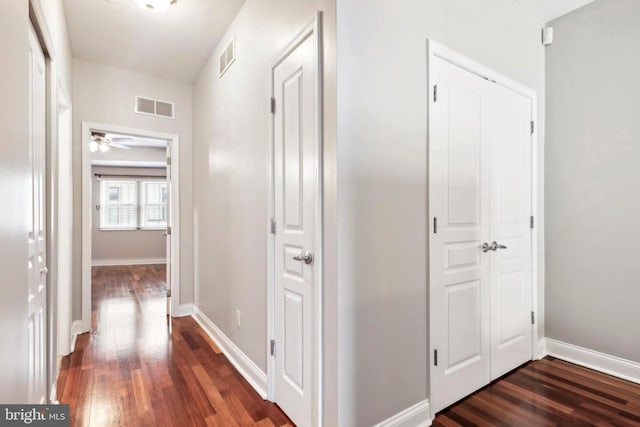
(155, 107)
(228, 56)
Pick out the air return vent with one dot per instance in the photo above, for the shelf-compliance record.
(154, 107)
(228, 56)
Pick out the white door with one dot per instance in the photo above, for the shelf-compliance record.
(510, 166)
(36, 329)
(168, 230)
(460, 282)
(295, 171)
(480, 204)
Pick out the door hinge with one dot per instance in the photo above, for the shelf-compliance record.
(168, 230)
(435, 93)
(273, 347)
(533, 318)
(533, 127)
(168, 292)
(168, 161)
(273, 226)
(435, 357)
(435, 225)
(532, 222)
(273, 105)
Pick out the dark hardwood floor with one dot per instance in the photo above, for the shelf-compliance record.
(549, 392)
(138, 369)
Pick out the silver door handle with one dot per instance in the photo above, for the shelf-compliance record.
(307, 257)
(494, 246)
(489, 247)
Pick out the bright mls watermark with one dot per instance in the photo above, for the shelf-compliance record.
(34, 415)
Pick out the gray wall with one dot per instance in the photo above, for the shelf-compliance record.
(105, 94)
(231, 132)
(593, 179)
(382, 180)
(113, 245)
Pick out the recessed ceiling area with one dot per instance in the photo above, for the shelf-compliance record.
(172, 45)
(548, 10)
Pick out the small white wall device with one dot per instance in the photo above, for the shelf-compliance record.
(547, 36)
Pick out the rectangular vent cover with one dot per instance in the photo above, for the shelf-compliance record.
(228, 56)
(154, 107)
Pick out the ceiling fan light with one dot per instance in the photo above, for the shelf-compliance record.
(104, 148)
(93, 146)
(155, 5)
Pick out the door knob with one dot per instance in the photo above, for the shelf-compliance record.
(494, 246)
(307, 257)
(44, 271)
(489, 247)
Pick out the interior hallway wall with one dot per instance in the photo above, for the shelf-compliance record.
(105, 94)
(231, 136)
(593, 179)
(382, 180)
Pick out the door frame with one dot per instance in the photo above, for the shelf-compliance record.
(38, 21)
(313, 28)
(436, 50)
(87, 203)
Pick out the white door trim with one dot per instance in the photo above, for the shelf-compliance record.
(87, 127)
(313, 29)
(63, 283)
(436, 50)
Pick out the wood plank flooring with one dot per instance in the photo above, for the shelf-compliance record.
(137, 368)
(548, 392)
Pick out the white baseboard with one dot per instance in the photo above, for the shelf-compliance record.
(418, 415)
(247, 368)
(184, 310)
(542, 349)
(129, 261)
(77, 328)
(605, 363)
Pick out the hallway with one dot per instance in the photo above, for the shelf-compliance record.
(135, 369)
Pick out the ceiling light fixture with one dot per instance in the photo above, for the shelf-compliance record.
(155, 5)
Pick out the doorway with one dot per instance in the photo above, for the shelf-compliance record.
(482, 294)
(295, 229)
(131, 202)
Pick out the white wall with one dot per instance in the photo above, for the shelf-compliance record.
(231, 134)
(382, 180)
(105, 95)
(131, 245)
(593, 178)
(14, 184)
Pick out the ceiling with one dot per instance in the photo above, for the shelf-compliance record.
(548, 10)
(173, 45)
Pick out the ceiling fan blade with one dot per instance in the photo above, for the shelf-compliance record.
(116, 145)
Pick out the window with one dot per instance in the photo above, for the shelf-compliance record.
(154, 204)
(130, 204)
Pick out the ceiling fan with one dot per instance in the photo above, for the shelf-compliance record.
(100, 141)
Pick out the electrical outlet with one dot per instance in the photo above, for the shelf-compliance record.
(238, 319)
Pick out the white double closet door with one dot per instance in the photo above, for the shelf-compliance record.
(479, 193)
